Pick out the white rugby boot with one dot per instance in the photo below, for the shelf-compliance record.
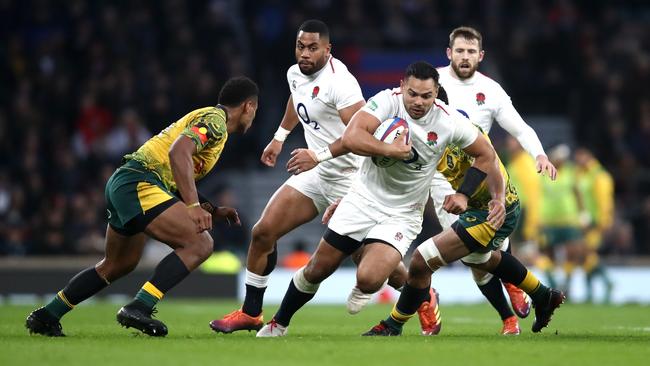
(272, 329)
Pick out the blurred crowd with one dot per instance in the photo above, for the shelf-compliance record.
(83, 83)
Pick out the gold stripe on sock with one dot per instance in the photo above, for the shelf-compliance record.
(61, 296)
(398, 316)
(152, 290)
(530, 283)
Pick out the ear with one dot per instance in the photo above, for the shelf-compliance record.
(328, 49)
(481, 54)
(449, 53)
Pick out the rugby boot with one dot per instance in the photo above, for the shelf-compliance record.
(141, 318)
(383, 329)
(510, 326)
(272, 329)
(543, 312)
(429, 314)
(237, 320)
(518, 299)
(40, 321)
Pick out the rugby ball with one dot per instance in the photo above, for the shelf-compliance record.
(387, 132)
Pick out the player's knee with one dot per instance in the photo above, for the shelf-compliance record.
(205, 247)
(369, 284)
(113, 270)
(426, 259)
(263, 236)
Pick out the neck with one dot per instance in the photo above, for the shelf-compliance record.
(232, 115)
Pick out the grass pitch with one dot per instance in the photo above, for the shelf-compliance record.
(327, 335)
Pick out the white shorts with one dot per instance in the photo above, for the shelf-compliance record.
(440, 188)
(360, 219)
(322, 192)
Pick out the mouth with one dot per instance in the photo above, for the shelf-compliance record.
(305, 64)
(465, 66)
(417, 111)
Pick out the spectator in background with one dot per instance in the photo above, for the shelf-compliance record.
(596, 188)
(127, 136)
(297, 258)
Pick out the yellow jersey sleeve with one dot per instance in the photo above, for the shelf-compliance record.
(207, 129)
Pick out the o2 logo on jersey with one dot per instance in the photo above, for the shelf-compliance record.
(301, 110)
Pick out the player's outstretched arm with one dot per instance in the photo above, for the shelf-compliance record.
(303, 160)
(180, 158)
(358, 139)
(273, 149)
(511, 121)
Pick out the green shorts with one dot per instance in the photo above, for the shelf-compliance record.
(478, 235)
(554, 236)
(134, 197)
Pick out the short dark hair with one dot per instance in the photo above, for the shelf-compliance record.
(422, 70)
(237, 90)
(468, 33)
(315, 26)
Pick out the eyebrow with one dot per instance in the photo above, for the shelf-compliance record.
(307, 45)
(414, 92)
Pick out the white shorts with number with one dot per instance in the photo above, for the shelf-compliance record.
(321, 191)
(361, 219)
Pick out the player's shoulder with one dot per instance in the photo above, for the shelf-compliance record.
(293, 70)
(489, 82)
(337, 70)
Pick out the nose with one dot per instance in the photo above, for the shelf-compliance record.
(305, 54)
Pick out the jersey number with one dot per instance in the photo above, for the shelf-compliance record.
(301, 110)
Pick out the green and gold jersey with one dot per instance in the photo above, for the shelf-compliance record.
(561, 206)
(453, 165)
(205, 126)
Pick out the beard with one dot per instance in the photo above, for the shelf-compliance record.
(464, 70)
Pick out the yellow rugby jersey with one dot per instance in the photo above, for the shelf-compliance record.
(453, 165)
(205, 126)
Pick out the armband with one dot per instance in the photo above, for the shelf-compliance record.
(473, 178)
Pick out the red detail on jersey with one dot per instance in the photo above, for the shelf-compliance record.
(202, 136)
(332, 65)
(480, 98)
(314, 93)
(399, 236)
(439, 106)
(432, 138)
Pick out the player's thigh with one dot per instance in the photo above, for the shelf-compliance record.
(122, 254)
(174, 227)
(287, 209)
(448, 246)
(379, 260)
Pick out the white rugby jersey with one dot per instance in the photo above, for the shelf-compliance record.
(483, 101)
(406, 183)
(317, 98)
